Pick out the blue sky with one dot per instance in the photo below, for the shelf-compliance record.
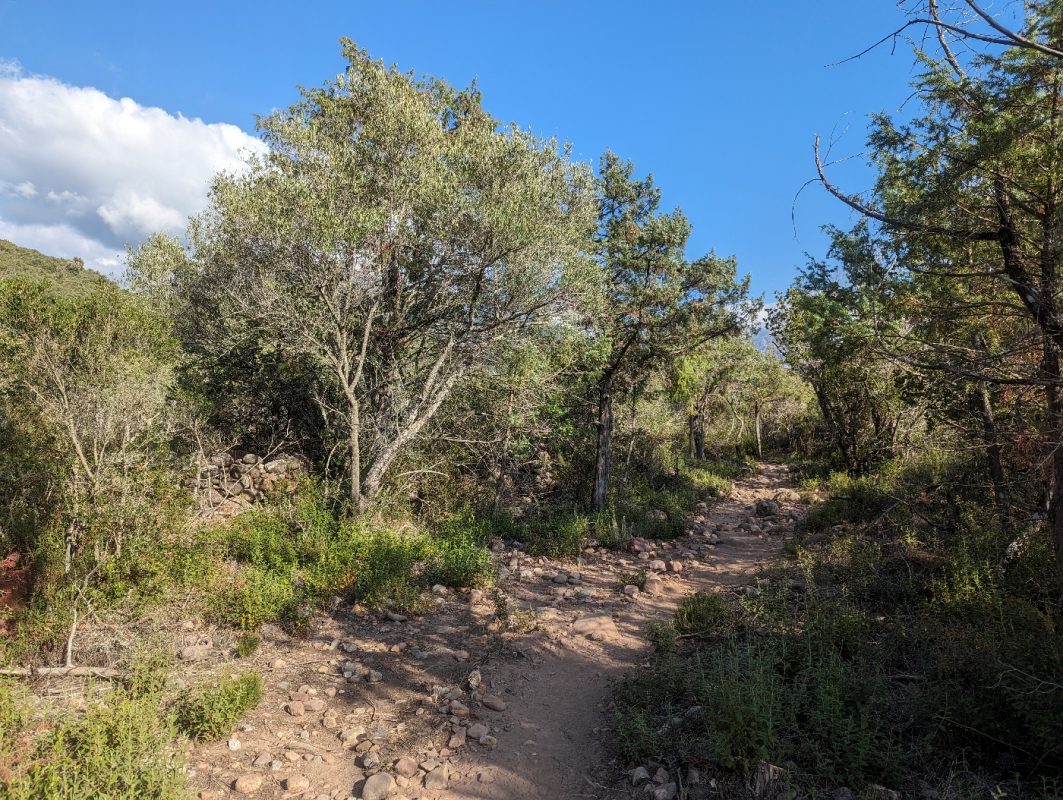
(720, 102)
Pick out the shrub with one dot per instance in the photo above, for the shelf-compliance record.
(705, 615)
(246, 645)
(120, 748)
(212, 711)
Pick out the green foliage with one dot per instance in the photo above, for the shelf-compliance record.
(211, 711)
(69, 276)
(705, 615)
(293, 557)
(247, 644)
(632, 578)
(120, 748)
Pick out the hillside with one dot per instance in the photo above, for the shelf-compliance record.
(24, 262)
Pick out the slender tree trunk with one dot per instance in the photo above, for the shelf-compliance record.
(1054, 433)
(354, 452)
(983, 404)
(692, 435)
(603, 457)
(756, 425)
(699, 438)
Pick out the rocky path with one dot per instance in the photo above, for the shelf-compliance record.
(497, 695)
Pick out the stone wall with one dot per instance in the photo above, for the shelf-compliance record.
(228, 484)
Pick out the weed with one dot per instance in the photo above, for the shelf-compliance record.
(632, 579)
(247, 644)
(211, 711)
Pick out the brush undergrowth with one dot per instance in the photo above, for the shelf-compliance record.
(905, 656)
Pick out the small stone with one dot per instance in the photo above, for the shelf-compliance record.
(278, 663)
(374, 676)
(477, 730)
(406, 767)
(378, 787)
(370, 759)
(262, 760)
(489, 741)
(661, 775)
(494, 703)
(437, 778)
(234, 744)
(461, 655)
(295, 708)
(597, 627)
(247, 784)
(439, 589)
(194, 652)
(476, 596)
(458, 709)
(631, 590)
(457, 739)
(297, 783)
(657, 565)
(666, 792)
(653, 585)
(639, 776)
(675, 566)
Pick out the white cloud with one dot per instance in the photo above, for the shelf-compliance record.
(83, 174)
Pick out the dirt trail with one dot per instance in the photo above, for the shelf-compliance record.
(547, 737)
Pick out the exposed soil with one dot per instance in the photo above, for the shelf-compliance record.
(551, 739)
(14, 590)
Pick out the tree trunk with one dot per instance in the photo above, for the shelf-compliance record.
(692, 435)
(699, 438)
(603, 457)
(756, 425)
(983, 404)
(354, 452)
(1053, 434)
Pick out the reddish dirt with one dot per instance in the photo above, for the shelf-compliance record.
(14, 590)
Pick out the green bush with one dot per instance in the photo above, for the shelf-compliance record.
(211, 711)
(247, 644)
(705, 615)
(120, 748)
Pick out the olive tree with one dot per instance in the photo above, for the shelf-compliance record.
(390, 239)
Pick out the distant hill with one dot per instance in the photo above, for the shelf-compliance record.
(69, 274)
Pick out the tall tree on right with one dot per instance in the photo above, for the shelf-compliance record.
(655, 304)
(970, 198)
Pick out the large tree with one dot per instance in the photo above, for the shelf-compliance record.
(969, 198)
(656, 304)
(392, 238)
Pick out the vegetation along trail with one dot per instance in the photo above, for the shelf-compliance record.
(551, 739)
(503, 700)
(430, 463)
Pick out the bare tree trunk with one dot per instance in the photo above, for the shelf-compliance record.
(1053, 434)
(699, 438)
(692, 435)
(354, 448)
(984, 407)
(603, 457)
(756, 425)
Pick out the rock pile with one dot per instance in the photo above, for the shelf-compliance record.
(227, 485)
